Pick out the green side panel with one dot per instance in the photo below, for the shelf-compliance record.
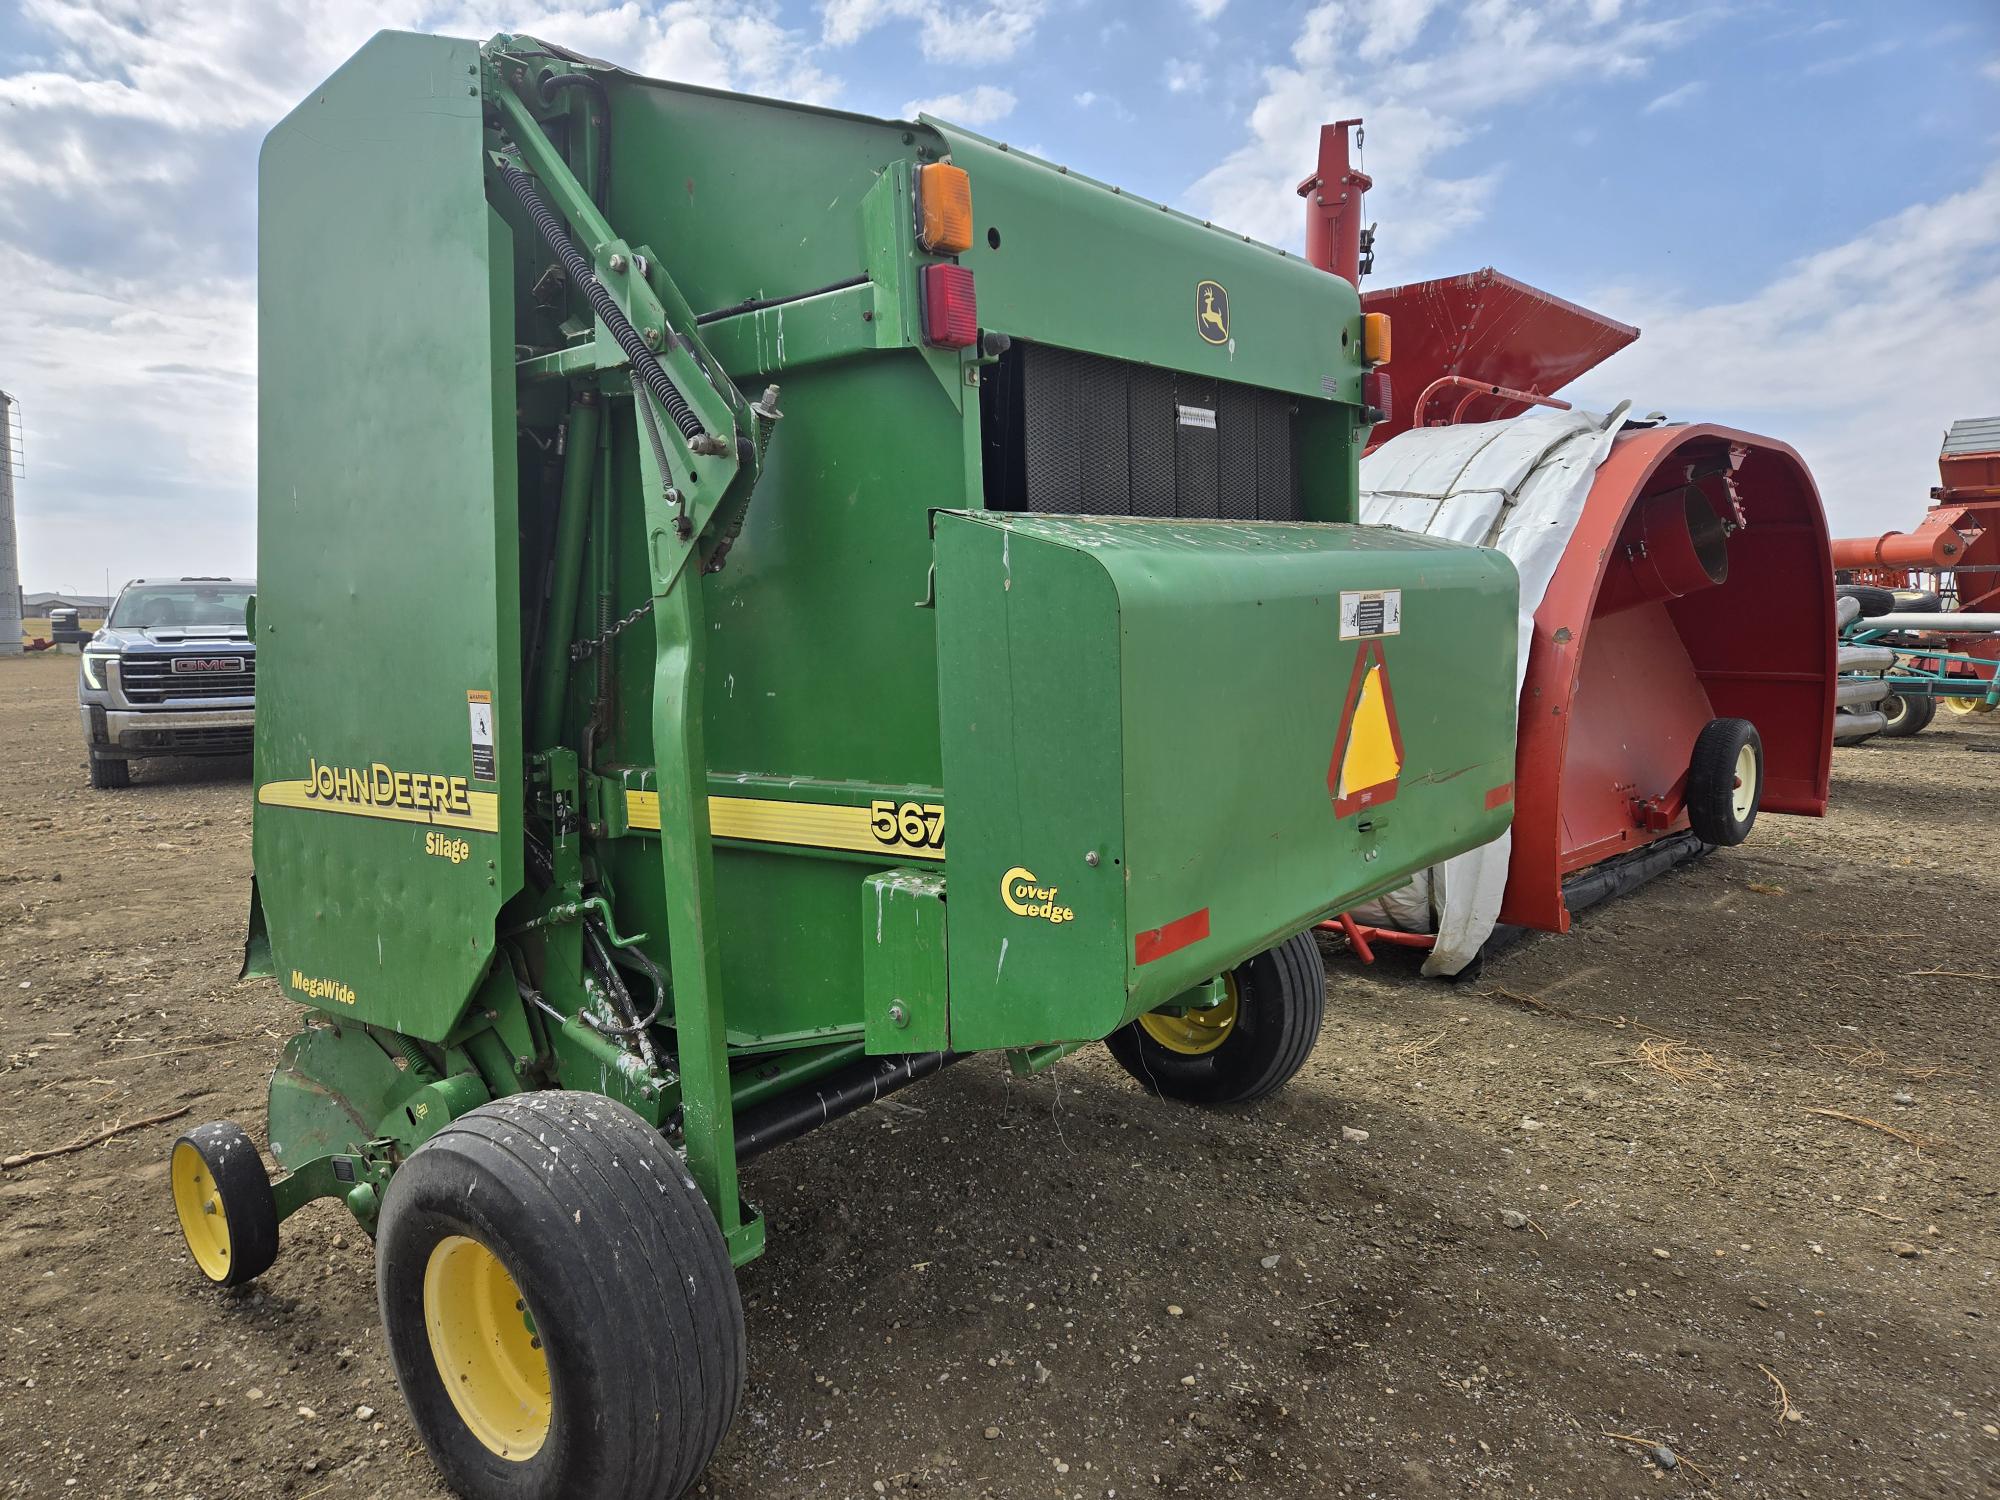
(1176, 700)
(332, 1087)
(385, 841)
(903, 960)
(1082, 265)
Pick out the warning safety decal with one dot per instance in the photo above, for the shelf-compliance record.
(480, 705)
(1368, 752)
(1367, 612)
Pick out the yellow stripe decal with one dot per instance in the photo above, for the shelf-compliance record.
(484, 817)
(813, 825)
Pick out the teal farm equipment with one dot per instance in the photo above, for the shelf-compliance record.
(758, 603)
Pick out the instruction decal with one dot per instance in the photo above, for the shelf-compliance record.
(480, 705)
(1370, 612)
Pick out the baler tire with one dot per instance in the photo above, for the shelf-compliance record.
(1907, 715)
(110, 773)
(573, 1208)
(223, 1199)
(1916, 601)
(1717, 810)
(1281, 1000)
(1873, 601)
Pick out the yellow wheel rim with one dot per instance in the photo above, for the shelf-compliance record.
(198, 1202)
(1199, 1031)
(487, 1351)
(1968, 705)
(1743, 797)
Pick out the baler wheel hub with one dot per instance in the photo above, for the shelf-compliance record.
(1195, 1033)
(1744, 799)
(488, 1353)
(198, 1202)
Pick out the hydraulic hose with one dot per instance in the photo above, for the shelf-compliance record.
(650, 370)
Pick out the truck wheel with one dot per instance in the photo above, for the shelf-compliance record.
(1725, 782)
(110, 772)
(224, 1202)
(559, 1304)
(1246, 1047)
(1907, 716)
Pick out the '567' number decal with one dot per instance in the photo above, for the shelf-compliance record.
(908, 825)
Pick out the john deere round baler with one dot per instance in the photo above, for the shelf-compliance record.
(645, 777)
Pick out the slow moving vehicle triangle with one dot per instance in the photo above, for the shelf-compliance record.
(1368, 753)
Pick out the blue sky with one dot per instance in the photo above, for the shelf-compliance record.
(1799, 203)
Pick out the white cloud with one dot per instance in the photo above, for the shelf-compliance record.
(127, 146)
(1361, 57)
(1992, 69)
(138, 397)
(957, 33)
(1848, 60)
(980, 106)
(1858, 356)
(1675, 98)
(1207, 10)
(1085, 99)
(1184, 76)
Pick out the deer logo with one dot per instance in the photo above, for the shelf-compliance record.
(1211, 312)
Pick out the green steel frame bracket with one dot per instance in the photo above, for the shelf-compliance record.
(1025, 1062)
(746, 1240)
(1204, 996)
(893, 262)
(704, 488)
(357, 1179)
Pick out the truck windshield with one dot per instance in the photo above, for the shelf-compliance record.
(155, 606)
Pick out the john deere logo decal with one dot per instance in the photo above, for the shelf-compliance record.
(1211, 312)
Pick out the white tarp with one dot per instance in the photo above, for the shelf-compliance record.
(1517, 486)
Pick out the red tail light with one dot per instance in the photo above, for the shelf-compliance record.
(1376, 391)
(951, 312)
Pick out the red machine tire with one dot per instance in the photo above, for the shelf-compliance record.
(1721, 800)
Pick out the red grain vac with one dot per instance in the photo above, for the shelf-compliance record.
(1954, 554)
(1695, 587)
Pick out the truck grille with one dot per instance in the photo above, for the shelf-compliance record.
(152, 679)
(1078, 434)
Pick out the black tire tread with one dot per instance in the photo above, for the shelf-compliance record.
(1873, 601)
(110, 773)
(1711, 778)
(681, 1360)
(1297, 1002)
(1916, 710)
(248, 1204)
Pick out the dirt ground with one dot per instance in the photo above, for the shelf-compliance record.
(1065, 1288)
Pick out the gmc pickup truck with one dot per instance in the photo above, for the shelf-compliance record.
(173, 672)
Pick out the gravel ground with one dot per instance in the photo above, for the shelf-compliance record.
(1065, 1288)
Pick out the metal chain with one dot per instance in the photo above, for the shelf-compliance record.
(582, 650)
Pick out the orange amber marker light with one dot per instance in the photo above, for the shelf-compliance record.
(1375, 338)
(944, 208)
